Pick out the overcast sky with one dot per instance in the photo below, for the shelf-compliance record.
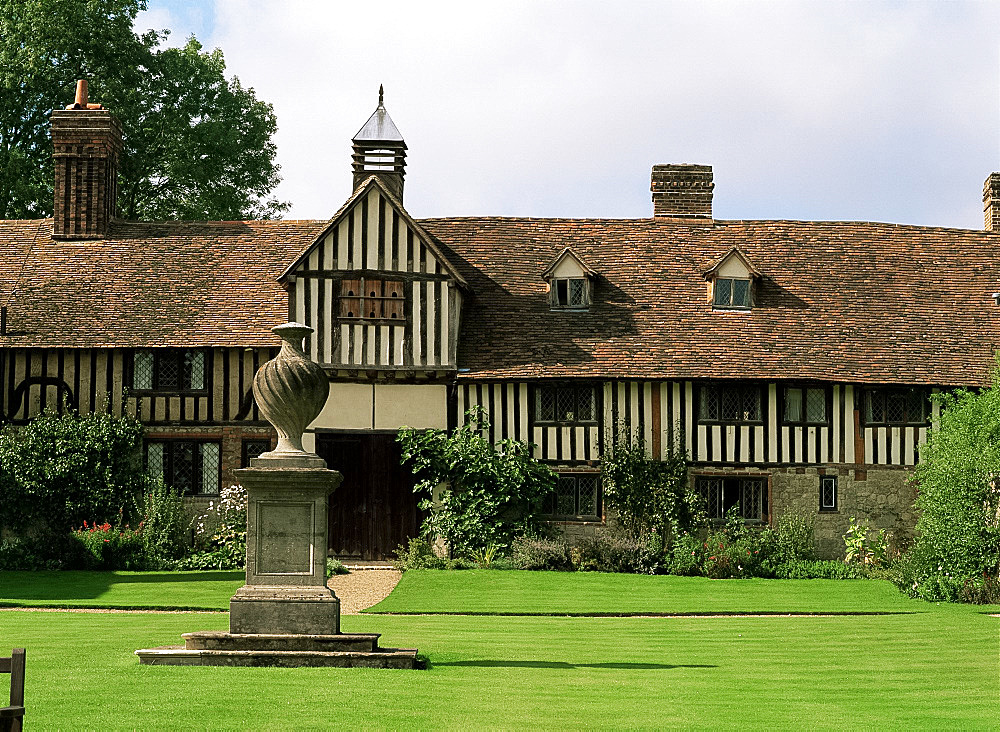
(882, 111)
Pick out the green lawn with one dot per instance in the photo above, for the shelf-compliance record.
(922, 666)
(490, 592)
(137, 590)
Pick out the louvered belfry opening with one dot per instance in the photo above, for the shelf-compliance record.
(87, 141)
(379, 149)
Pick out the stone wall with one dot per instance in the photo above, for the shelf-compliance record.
(881, 498)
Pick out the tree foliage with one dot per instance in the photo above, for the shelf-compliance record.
(488, 495)
(196, 145)
(61, 470)
(958, 530)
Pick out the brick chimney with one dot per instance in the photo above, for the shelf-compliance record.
(87, 141)
(991, 202)
(682, 191)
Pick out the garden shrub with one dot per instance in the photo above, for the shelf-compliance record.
(22, 553)
(418, 554)
(166, 525)
(958, 528)
(335, 566)
(618, 551)
(532, 552)
(489, 494)
(794, 538)
(108, 547)
(60, 470)
(226, 546)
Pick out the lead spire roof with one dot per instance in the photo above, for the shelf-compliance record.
(379, 126)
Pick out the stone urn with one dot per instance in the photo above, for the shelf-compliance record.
(290, 390)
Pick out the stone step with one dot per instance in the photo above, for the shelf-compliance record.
(221, 641)
(398, 658)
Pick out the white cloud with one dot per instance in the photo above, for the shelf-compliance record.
(884, 111)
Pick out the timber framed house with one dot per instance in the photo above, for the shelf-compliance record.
(792, 360)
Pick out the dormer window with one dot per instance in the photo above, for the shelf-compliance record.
(371, 298)
(570, 293)
(731, 281)
(571, 282)
(731, 293)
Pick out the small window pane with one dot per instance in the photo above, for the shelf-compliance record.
(562, 293)
(723, 291)
(874, 407)
(752, 499)
(816, 405)
(587, 486)
(566, 496)
(142, 370)
(576, 292)
(566, 405)
(741, 293)
(895, 407)
(194, 370)
(586, 407)
(793, 405)
(828, 493)
(751, 404)
(209, 467)
(183, 465)
(546, 405)
(732, 404)
(709, 405)
(167, 371)
(915, 406)
(154, 459)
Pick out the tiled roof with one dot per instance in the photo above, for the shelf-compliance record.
(161, 284)
(866, 302)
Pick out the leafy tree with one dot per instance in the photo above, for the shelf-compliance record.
(489, 494)
(958, 530)
(61, 470)
(196, 145)
(650, 497)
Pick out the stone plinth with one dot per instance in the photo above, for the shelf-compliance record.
(286, 588)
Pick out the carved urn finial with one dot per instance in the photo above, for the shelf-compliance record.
(290, 390)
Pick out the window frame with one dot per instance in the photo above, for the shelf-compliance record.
(245, 444)
(159, 355)
(550, 502)
(362, 298)
(742, 482)
(170, 445)
(585, 294)
(563, 387)
(721, 388)
(884, 393)
(823, 507)
(730, 305)
(804, 420)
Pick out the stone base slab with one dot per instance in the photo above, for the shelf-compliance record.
(267, 609)
(399, 658)
(218, 641)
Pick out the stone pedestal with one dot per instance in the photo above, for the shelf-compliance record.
(285, 615)
(286, 588)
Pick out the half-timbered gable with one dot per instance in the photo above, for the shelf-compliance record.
(377, 290)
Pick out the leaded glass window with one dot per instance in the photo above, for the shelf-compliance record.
(805, 405)
(729, 403)
(731, 293)
(576, 497)
(565, 403)
(747, 495)
(828, 493)
(169, 369)
(570, 293)
(895, 406)
(189, 467)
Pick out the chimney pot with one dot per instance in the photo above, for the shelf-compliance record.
(81, 94)
(682, 191)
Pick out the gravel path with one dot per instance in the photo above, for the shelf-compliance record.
(363, 588)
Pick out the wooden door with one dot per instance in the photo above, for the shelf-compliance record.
(374, 510)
